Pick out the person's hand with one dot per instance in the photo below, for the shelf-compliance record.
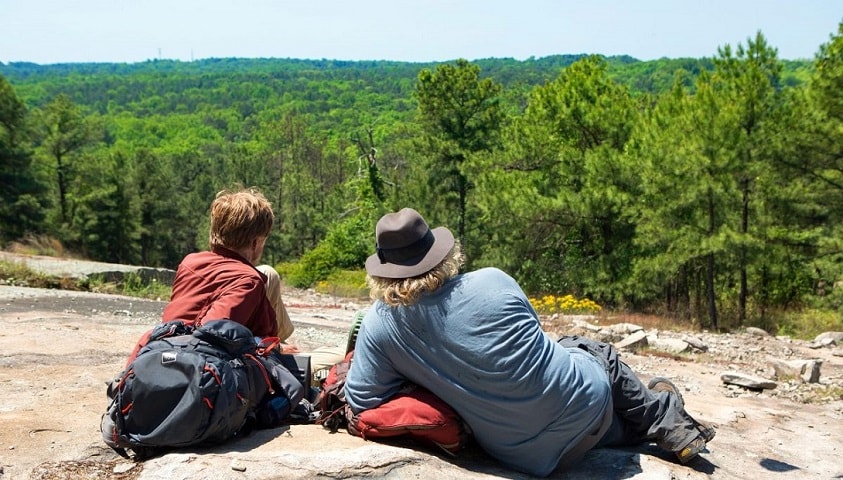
(287, 348)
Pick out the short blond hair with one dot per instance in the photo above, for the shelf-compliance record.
(407, 291)
(237, 218)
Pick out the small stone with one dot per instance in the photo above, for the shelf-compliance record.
(696, 344)
(237, 466)
(636, 341)
(747, 381)
(669, 345)
(757, 332)
(123, 467)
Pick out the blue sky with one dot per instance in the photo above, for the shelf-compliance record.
(54, 31)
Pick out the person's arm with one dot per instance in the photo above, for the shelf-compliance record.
(273, 293)
(239, 302)
(372, 379)
(285, 325)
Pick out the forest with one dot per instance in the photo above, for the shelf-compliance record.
(708, 190)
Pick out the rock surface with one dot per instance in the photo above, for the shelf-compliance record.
(58, 348)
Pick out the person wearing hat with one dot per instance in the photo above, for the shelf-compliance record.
(475, 341)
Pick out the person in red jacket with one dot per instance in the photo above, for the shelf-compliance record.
(224, 282)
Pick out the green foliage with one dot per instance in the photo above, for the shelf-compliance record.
(346, 245)
(18, 274)
(344, 283)
(22, 199)
(460, 116)
(564, 184)
(131, 285)
(709, 189)
(807, 324)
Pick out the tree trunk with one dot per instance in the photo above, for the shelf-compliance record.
(709, 274)
(744, 231)
(62, 187)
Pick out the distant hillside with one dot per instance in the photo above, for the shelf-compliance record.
(105, 86)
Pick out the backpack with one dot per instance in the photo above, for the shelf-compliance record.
(197, 386)
(414, 412)
(331, 399)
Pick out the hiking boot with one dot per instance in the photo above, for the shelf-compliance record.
(661, 384)
(692, 450)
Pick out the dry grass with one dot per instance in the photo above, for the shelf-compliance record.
(39, 245)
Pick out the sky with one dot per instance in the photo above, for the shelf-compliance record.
(70, 31)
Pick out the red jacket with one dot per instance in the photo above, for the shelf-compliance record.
(221, 284)
(217, 285)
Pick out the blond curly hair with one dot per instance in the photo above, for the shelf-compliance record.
(407, 291)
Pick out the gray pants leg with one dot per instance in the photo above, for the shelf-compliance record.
(640, 415)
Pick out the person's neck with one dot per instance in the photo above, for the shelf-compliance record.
(246, 253)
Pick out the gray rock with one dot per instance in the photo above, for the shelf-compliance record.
(805, 370)
(757, 332)
(617, 332)
(669, 345)
(696, 343)
(309, 451)
(581, 323)
(82, 269)
(634, 342)
(747, 381)
(624, 328)
(829, 338)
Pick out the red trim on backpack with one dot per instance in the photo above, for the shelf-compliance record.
(126, 409)
(208, 403)
(214, 373)
(263, 371)
(267, 345)
(126, 375)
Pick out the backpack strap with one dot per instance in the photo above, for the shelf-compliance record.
(331, 399)
(170, 329)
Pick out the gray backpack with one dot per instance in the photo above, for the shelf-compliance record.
(197, 386)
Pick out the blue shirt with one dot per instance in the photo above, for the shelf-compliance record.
(477, 344)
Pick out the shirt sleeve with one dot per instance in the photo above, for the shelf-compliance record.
(372, 378)
(285, 325)
(238, 302)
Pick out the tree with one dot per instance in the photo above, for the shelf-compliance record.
(167, 227)
(680, 215)
(563, 187)
(21, 194)
(65, 132)
(461, 116)
(750, 85)
(106, 217)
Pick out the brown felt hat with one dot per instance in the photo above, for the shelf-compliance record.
(406, 246)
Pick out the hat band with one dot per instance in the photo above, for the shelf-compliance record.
(402, 255)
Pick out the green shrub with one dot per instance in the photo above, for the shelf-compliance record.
(344, 283)
(808, 323)
(345, 246)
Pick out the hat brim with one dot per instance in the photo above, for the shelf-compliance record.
(442, 244)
